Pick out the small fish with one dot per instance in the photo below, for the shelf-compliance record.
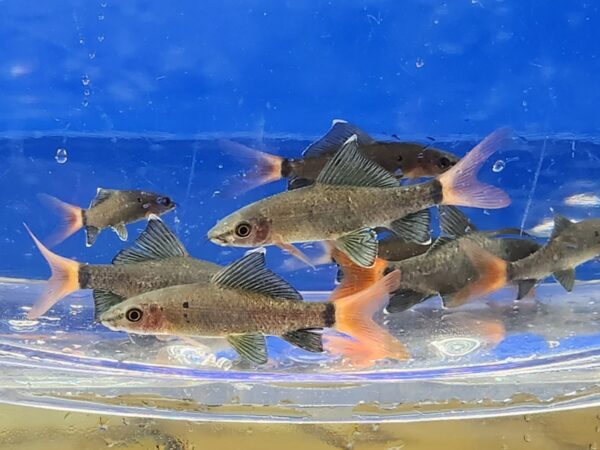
(351, 197)
(406, 159)
(109, 209)
(156, 260)
(445, 270)
(246, 301)
(570, 245)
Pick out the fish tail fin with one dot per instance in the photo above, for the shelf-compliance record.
(492, 272)
(354, 317)
(63, 281)
(355, 278)
(71, 217)
(265, 166)
(460, 186)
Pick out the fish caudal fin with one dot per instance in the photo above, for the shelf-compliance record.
(460, 186)
(266, 167)
(355, 278)
(366, 341)
(71, 217)
(491, 269)
(63, 281)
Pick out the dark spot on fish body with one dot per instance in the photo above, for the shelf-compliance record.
(329, 315)
(186, 305)
(436, 191)
(286, 168)
(84, 276)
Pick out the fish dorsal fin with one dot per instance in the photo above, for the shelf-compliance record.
(155, 243)
(454, 222)
(250, 274)
(439, 243)
(250, 346)
(101, 196)
(349, 167)
(339, 133)
(561, 223)
(103, 301)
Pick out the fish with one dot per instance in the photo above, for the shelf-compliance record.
(246, 301)
(351, 197)
(109, 209)
(156, 260)
(446, 269)
(404, 159)
(570, 245)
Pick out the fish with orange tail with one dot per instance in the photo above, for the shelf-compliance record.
(156, 260)
(246, 301)
(353, 196)
(109, 209)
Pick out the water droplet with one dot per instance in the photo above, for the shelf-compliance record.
(524, 103)
(85, 80)
(23, 325)
(220, 166)
(81, 41)
(436, 21)
(527, 437)
(85, 102)
(103, 5)
(61, 155)
(101, 17)
(86, 92)
(100, 38)
(91, 55)
(499, 166)
(597, 429)
(419, 63)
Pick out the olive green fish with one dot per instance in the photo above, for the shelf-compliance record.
(246, 301)
(351, 197)
(109, 209)
(570, 245)
(403, 159)
(156, 260)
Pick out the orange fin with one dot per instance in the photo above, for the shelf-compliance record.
(71, 216)
(367, 341)
(491, 269)
(64, 279)
(355, 278)
(266, 167)
(460, 186)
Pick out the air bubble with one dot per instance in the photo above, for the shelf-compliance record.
(85, 80)
(499, 166)
(86, 92)
(85, 102)
(100, 38)
(101, 17)
(103, 4)
(61, 155)
(91, 55)
(419, 63)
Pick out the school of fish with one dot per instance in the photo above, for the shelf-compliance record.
(349, 192)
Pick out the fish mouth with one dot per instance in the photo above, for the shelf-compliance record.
(221, 239)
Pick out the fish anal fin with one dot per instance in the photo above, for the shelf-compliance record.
(91, 234)
(454, 222)
(250, 346)
(308, 340)
(524, 287)
(121, 231)
(566, 278)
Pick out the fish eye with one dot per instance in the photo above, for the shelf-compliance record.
(444, 163)
(139, 199)
(243, 229)
(134, 315)
(165, 201)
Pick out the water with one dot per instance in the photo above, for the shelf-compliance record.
(126, 95)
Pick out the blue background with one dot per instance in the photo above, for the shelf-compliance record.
(137, 92)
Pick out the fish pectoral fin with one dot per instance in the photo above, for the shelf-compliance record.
(339, 133)
(415, 227)
(360, 246)
(103, 301)
(405, 299)
(121, 231)
(249, 273)
(156, 242)
(453, 300)
(250, 346)
(91, 234)
(454, 222)
(566, 278)
(297, 183)
(349, 167)
(307, 340)
(101, 196)
(561, 223)
(294, 252)
(523, 287)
